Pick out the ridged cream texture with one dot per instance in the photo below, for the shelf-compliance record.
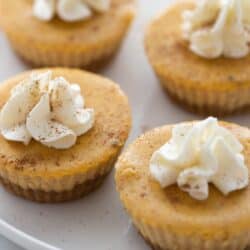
(197, 155)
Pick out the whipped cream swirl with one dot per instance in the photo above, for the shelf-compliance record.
(198, 154)
(218, 28)
(68, 10)
(48, 110)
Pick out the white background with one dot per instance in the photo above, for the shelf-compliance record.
(72, 226)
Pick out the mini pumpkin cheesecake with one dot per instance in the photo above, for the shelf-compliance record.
(200, 52)
(60, 134)
(186, 185)
(69, 33)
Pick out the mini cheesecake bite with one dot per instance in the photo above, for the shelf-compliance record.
(200, 52)
(60, 135)
(69, 33)
(186, 186)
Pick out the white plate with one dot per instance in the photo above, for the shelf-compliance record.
(98, 221)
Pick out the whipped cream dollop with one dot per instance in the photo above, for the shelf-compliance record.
(68, 10)
(198, 154)
(48, 110)
(218, 28)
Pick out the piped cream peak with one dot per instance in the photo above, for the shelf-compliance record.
(51, 111)
(68, 10)
(198, 154)
(218, 28)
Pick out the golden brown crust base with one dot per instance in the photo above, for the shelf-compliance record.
(95, 61)
(153, 247)
(91, 182)
(87, 59)
(169, 218)
(94, 66)
(218, 86)
(203, 109)
(170, 242)
(77, 192)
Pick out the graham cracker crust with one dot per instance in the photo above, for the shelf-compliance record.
(155, 247)
(151, 245)
(94, 66)
(41, 196)
(204, 110)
